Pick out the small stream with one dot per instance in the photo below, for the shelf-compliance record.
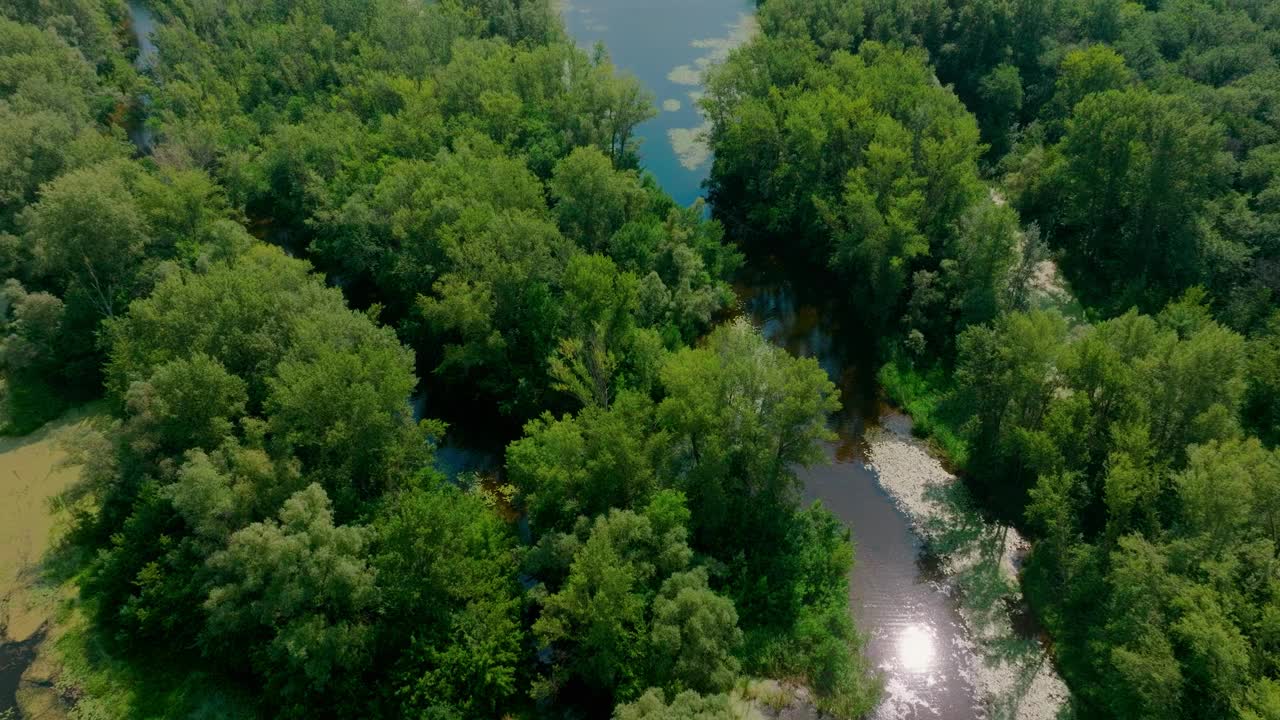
(143, 24)
(915, 634)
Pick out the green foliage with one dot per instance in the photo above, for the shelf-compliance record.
(262, 507)
(249, 393)
(1262, 399)
(446, 570)
(594, 201)
(1135, 174)
(583, 465)
(1134, 135)
(186, 404)
(694, 635)
(297, 595)
(736, 417)
(30, 348)
(1152, 511)
(337, 400)
(1084, 72)
(859, 164)
(929, 398)
(741, 415)
(625, 571)
(1143, 198)
(687, 705)
(830, 25)
(88, 231)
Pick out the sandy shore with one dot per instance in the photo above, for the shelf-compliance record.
(1014, 676)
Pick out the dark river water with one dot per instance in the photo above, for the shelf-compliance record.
(915, 637)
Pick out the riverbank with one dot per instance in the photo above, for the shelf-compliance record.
(979, 562)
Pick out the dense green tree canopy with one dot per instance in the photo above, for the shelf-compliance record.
(1136, 139)
(263, 508)
(340, 217)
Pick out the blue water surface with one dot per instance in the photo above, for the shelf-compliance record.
(666, 44)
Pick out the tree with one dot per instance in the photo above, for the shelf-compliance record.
(338, 399)
(1262, 398)
(297, 593)
(1010, 372)
(1084, 72)
(602, 459)
(593, 200)
(743, 413)
(694, 635)
(981, 262)
(246, 314)
(831, 25)
(1227, 492)
(446, 569)
(1135, 172)
(598, 619)
(1002, 97)
(601, 324)
(30, 348)
(861, 165)
(88, 231)
(687, 705)
(187, 403)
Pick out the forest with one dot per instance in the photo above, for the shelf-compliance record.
(931, 157)
(313, 242)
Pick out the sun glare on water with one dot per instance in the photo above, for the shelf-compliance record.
(916, 650)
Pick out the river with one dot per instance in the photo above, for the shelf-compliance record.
(915, 634)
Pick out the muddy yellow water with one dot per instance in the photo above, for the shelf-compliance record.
(33, 473)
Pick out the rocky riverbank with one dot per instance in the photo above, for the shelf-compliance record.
(978, 562)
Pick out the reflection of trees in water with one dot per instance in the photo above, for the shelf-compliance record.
(806, 327)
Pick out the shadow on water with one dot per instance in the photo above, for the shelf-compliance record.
(898, 588)
(794, 316)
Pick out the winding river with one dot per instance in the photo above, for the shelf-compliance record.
(915, 635)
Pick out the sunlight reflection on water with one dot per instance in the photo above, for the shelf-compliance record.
(916, 651)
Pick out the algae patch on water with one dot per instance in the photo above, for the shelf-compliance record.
(34, 472)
